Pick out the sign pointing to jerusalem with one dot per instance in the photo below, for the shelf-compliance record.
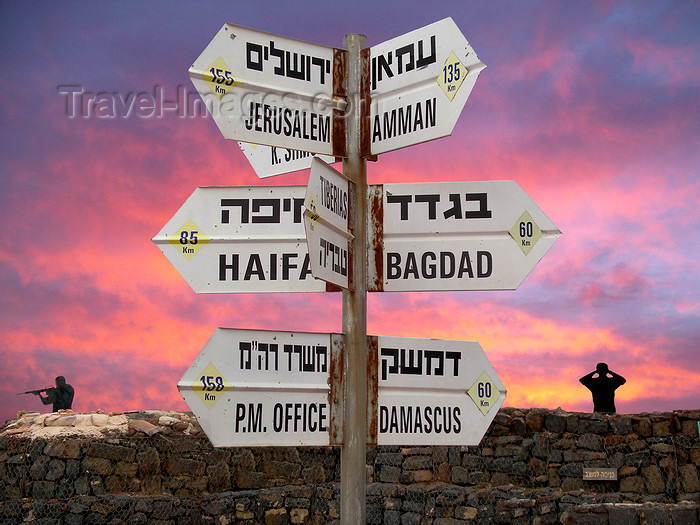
(420, 82)
(267, 89)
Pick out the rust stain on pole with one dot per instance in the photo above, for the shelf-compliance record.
(340, 59)
(335, 396)
(372, 388)
(375, 240)
(365, 101)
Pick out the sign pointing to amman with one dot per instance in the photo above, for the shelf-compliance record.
(420, 82)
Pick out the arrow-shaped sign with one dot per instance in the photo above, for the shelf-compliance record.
(456, 236)
(241, 239)
(420, 82)
(326, 223)
(267, 89)
(268, 161)
(261, 388)
(435, 392)
(423, 236)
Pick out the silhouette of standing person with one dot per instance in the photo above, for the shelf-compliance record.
(61, 397)
(603, 387)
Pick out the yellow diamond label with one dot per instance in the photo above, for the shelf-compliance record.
(452, 75)
(484, 393)
(210, 386)
(188, 239)
(525, 232)
(219, 78)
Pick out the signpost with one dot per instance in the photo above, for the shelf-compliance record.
(456, 236)
(326, 222)
(260, 388)
(240, 239)
(268, 161)
(272, 388)
(434, 392)
(267, 89)
(420, 82)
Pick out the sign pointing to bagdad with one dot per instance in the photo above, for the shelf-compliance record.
(456, 236)
(267, 89)
(420, 82)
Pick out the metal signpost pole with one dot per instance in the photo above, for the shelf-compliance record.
(354, 449)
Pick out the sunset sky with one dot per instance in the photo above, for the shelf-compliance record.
(592, 107)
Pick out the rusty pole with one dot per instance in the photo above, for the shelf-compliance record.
(353, 459)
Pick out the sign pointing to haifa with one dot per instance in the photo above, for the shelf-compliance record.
(241, 240)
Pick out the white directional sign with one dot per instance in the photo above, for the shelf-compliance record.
(326, 223)
(434, 392)
(241, 239)
(268, 161)
(457, 236)
(419, 84)
(433, 236)
(260, 388)
(267, 89)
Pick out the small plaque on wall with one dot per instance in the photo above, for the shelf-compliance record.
(600, 474)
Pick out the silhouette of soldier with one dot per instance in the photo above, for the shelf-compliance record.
(61, 397)
(603, 387)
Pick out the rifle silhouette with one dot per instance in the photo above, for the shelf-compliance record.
(36, 392)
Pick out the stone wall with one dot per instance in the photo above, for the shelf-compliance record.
(160, 468)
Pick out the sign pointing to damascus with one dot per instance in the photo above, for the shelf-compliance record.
(435, 392)
(267, 89)
(420, 82)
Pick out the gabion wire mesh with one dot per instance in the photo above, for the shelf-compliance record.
(515, 476)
